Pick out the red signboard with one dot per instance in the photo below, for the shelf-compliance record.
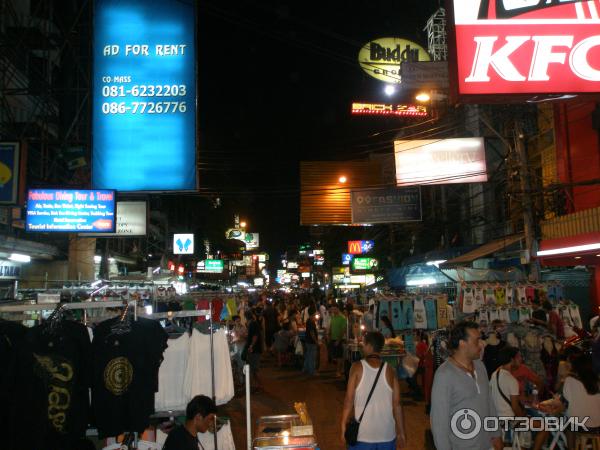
(355, 247)
(526, 46)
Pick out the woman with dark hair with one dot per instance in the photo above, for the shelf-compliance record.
(386, 328)
(581, 392)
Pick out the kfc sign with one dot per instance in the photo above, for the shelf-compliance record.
(527, 46)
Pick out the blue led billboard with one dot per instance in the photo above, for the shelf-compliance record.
(71, 211)
(144, 95)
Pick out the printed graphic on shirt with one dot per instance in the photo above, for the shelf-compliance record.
(118, 375)
(60, 387)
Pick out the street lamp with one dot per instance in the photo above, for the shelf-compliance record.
(342, 179)
(243, 224)
(390, 90)
(423, 97)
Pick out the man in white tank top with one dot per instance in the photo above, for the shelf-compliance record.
(382, 425)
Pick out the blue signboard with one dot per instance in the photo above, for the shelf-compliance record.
(347, 259)
(73, 211)
(144, 95)
(9, 172)
(388, 205)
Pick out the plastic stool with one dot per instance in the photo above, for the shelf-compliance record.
(587, 441)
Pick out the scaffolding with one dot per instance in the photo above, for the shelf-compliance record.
(436, 36)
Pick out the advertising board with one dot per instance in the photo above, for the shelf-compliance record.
(381, 58)
(387, 205)
(360, 247)
(183, 244)
(131, 220)
(144, 95)
(9, 172)
(440, 161)
(525, 47)
(72, 211)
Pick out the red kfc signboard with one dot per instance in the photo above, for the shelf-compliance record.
(526, 46)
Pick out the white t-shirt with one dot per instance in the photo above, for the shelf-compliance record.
(582, 404)
(509, 386)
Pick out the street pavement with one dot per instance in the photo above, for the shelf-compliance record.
(324, 396)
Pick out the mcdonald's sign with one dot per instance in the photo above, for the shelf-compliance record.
(360, 247)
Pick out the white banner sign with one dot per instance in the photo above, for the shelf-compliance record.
(131, 221)
(183, 244)
(436, 161)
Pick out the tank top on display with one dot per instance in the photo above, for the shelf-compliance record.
(521, 295)
(575, 316)
(509, 295)
(494, 315)
(479, 297)
(420, 315)
(468, 301)
(490, 297)
(378, 421)
(500, 296)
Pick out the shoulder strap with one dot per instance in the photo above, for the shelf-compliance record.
(372, 389)
(500, 389)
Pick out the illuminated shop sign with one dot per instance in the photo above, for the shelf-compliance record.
(144, 95)
(74, 211)
(210, 266)
(381, 58)
(359, 247)
(183, 244)
(364, 263)
(381, 109)
(440, 161)
(526, 47)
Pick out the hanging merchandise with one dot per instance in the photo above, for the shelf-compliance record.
(513, 314)
(575, 316)
(443, 319)
(490, 296)
(198, 375)
(419, 314)
(62, 350)
(468, 306)
(494, 314)
(384, 309)
(397, 322)
(509, 295)
(529, 294)
(504, 314)
(127, 355)
(23, 394)
(483, 316)
(430, 313)
(170, 395)
(479, 297)
(500, 294)
(408, 315)
(524, 314)
(522, 294)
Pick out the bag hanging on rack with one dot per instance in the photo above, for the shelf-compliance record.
(353, 425)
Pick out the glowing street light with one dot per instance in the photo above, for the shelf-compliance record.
(243, 224)
(423, 97)
(343, 179)
(389, 90)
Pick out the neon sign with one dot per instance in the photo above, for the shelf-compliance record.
(381, 109)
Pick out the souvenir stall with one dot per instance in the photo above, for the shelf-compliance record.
(141, 370)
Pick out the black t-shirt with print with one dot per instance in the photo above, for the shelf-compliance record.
(23, 396)
(64, 355)
(125, 375)
(180, 439)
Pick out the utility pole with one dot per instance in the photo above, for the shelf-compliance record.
(528, 222)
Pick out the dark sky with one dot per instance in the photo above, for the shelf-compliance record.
(276, 81)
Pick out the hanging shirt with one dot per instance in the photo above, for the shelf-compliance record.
(171, 375)
(65, 358)
(494, 315)
(490, 296)
(500, 294)
(509, 294)
(513, 313)
(420, 314)
(529, 293)
(483, 316)
(504, 314)
(125, 375)
(524, 314)
(522, 294)
(469, 306)
(479, 297)
(442, 312)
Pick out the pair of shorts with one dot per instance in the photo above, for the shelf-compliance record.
(336, 349)
(374, 445)
(253, 360)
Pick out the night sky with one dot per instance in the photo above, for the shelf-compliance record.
(276, 82)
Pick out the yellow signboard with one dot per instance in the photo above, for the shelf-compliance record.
(381, 58)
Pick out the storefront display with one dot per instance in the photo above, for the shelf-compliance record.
(290, 431)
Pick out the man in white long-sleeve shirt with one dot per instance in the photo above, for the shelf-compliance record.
(460, 390)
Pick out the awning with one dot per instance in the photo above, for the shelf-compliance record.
(484, 250)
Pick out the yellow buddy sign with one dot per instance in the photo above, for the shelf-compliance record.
(381, 58)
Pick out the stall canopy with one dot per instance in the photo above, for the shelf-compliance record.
(484, 250)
